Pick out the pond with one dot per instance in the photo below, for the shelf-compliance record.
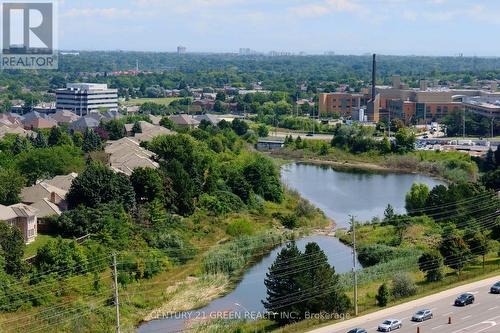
(338, 193)
(341, 192)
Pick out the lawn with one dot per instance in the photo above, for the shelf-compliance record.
(41, 240)
(140, 101)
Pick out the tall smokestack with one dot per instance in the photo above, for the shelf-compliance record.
(374, 77)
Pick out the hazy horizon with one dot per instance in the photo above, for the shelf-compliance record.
(346, 27)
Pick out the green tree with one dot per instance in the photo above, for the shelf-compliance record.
(56, 137)
(12, 246)
(454, 249)
(21, 144)
(416, 199)
(115, 129)
(383, 295)
(167, 123)
(11, 184)
(40, 141)
(405, 140)
(263, 131)
(183, 187)
(98, 184)
(240, 127)
(91, 141)
(403, 286)
(480, 245)
(148, 185)
(66, 257)
(431, 263)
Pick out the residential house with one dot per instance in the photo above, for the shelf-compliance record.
(211, 118)
(83, 123)
(126, 154)
(22, 216)
(149, 131)
(64, 117)
(184, 120)
(13, 129)
(39, 123)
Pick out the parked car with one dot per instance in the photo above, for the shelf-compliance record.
(357, 330)
(464, 299)
(422, 315)
(390, 325)
(495, 289)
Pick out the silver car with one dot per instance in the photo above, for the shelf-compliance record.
(390, 325)
(422, 315)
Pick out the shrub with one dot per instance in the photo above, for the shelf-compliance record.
(382, 296)
(222, 202)
(374, 254)
(403, 285)
(240, 227)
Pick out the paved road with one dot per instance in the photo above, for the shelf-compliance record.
(481, 317)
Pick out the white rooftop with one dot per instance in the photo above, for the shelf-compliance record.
(87, 86)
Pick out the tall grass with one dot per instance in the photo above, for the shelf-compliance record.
(231, 257)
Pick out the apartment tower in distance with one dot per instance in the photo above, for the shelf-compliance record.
(181, 49)
(84, 98)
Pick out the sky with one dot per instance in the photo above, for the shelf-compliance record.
(399, 27)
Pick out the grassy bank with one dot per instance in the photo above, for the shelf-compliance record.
(452, 166)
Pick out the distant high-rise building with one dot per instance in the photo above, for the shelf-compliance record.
(181, 49)
(245, 51)
(83, 98)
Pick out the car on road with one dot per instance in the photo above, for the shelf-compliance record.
(495, 289)
(309, 134)
(422, 315)
(464, 299)
(358, 330)
(390, 325)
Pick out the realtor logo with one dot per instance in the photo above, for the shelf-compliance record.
(28, 35)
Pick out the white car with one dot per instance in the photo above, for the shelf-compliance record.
(390, 325)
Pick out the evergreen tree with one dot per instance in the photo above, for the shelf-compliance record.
(40, 141)
(20, 144)
(382, 296)
(91, 141)
(313, 288)
(55, 136)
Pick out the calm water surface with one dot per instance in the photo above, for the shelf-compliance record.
(341, 192)
(338, 194)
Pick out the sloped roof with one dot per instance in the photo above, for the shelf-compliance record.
(45, 208)
(14, 211)
(184, 119)
(126, 154)
(41, 191)
(208, 117)
(62, 182)
(14, 129)
(64, 116)
(84, 123)
(40, 123)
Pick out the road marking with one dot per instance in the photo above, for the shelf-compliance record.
(435, 328)
(447, 314)
(473, 292)
(466, 317)
(493, 308)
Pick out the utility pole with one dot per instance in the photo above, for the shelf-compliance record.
(354, 273)
(115, 287)
(463, 124)
(389, 124)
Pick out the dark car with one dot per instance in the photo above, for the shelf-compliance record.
(309, 134)
(357, 330)
(495, 289)
(464, 299)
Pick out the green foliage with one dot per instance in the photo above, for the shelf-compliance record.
(222, 202)
(137, 128)
(373, 254)
(403, 285)
(262, 175)
(49, 162)
(98, 184)
(315, 285)
(263, 131)
(115, 128)
(454, 249)
(11, 184)
(40, 141)
(149, 184)
(383, 295)
(91, 141)
(405, 140)
(66, 257)
(416, 199)
(240, 227)
(431, 263)
(57, 137)
(240, 127)
(12, 250)
(229, 258)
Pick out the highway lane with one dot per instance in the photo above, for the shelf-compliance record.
(481, 317)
